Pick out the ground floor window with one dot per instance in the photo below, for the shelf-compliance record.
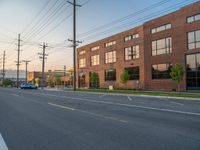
(110, 75)
(161, 71)
(134, 73)
(193, 71)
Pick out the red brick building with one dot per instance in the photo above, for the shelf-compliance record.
(147, 52)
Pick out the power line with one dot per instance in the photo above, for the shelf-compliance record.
(60, 23)
(142, 19)
(49, 20)
(125, 18)
(36, 16)
(43, 16)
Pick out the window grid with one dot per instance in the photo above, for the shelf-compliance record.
(132, 52)
(130, 37)
(161, 71)
(82, 63)
(193, 18)
(110, 43)
(162, 46)
(95, 48)
(110, 75)
(194, 39)
(134, 73)
(110, 57)
(82, 52)
(95, 60)
(161, 28)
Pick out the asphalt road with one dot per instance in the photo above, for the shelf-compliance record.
(52, 120)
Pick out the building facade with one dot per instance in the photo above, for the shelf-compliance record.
(147, 52)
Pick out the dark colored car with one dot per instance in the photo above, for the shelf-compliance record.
(27, 86)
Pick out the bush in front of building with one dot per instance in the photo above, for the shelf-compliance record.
(124, 77)
(177, 74)
(94, 80)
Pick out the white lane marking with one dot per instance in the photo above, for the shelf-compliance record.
(102, 95)
(176, 103)
(60, 106)
(15, 95)
(129, 98)
(90, 113)
(2, 144)
(125, 105)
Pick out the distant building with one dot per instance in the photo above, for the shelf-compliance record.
(65, 77)
(147, 52)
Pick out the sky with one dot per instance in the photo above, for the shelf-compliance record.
(50, 21)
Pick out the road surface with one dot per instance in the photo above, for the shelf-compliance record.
(56, 120)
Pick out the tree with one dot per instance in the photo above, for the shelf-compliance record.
(58, 80)
(50, 82)
(124, 76)
(94, 79)
(177, 74)
(7, 82)
(33, 82)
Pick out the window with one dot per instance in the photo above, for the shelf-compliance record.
(134, 73)
(81, 52)
(110, 75)
(95, 60)
(161, 71)
(110, 57)
(130, 37)
(135, 36)
(95, 48)
(162, 46)
(110, 43)
(193, 18)
(82, 63)
(194, 39)
(161, 28)
(193, 71)
(132, 52)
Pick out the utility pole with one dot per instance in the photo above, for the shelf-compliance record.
(74, 40)
(18, 59)
(64, 74)
(26, 63)
(3, 72)
(43, 57)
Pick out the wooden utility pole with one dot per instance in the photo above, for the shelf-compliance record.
(26, 63)
(64, 74)
(4, 60)
(74, 41)
(43, 57)
(18, 59)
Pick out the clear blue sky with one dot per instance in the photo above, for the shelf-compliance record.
(15, 15)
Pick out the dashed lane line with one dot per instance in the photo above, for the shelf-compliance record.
(124, 105)
(90, 113)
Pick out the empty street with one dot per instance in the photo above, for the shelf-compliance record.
(56, 120)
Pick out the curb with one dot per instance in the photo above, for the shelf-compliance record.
(132, 95)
